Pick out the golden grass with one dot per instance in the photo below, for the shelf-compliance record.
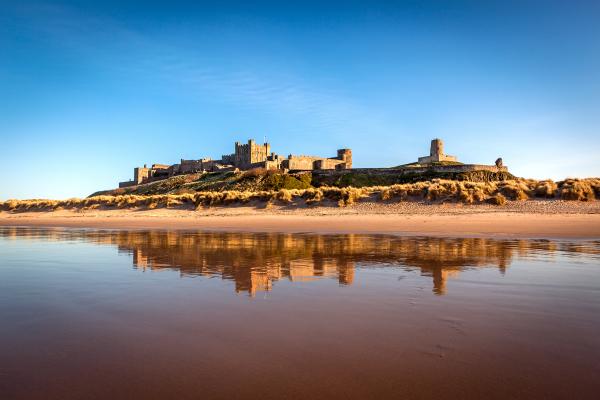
(579, 189)
(437, 190)
(498, 200)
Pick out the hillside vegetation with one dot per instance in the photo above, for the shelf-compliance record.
(435, 191)
(269, 180)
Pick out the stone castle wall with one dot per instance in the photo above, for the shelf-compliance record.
(305, 163)
(299, 162)
(329, 163)
(419, 170)
(191, 166)
(125, 184)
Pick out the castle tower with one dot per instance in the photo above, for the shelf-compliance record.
(436, 154)
(437, 148)
(248, 154)
(141, 174)
(345, 155)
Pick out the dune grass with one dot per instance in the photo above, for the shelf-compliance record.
(434, 191)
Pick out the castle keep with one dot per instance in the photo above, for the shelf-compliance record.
(249, 155)
(245, 156)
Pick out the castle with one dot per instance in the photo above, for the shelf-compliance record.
(245, 156)
(253, 155)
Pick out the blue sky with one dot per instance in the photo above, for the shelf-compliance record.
(88, 90)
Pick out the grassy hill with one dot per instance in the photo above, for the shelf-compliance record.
(260, 179)
(253, 180)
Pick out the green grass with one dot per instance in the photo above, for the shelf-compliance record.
(285, 181)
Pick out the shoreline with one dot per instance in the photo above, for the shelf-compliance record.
(571, 222)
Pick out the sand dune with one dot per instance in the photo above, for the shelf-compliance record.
(543, 219)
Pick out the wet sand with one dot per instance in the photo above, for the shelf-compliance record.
(117, 314)
(537, 220)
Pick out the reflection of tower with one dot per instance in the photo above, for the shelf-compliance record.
(253, 279)
(318, 264)
(301, 270)
(259, 282)
(503, 261)
(139, 259)
(439, 281)
(440, 277)
(346, 273)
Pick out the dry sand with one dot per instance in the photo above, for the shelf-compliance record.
(539, 219)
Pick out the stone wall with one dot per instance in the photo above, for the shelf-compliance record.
(299, 162)
(436, 158)
(160, 166)
(272, 164)
(307, 163)
(126, 184)
(420, 170)
(228, 159)
(329, 163)
(189, 166)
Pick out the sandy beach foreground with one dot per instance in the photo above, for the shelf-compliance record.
(541, 219)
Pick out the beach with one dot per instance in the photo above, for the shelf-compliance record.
(532, 219)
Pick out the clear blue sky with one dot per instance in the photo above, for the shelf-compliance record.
(88, 90)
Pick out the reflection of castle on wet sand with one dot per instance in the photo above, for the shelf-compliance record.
(251, 277)
(257, 278)
(255, 261)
